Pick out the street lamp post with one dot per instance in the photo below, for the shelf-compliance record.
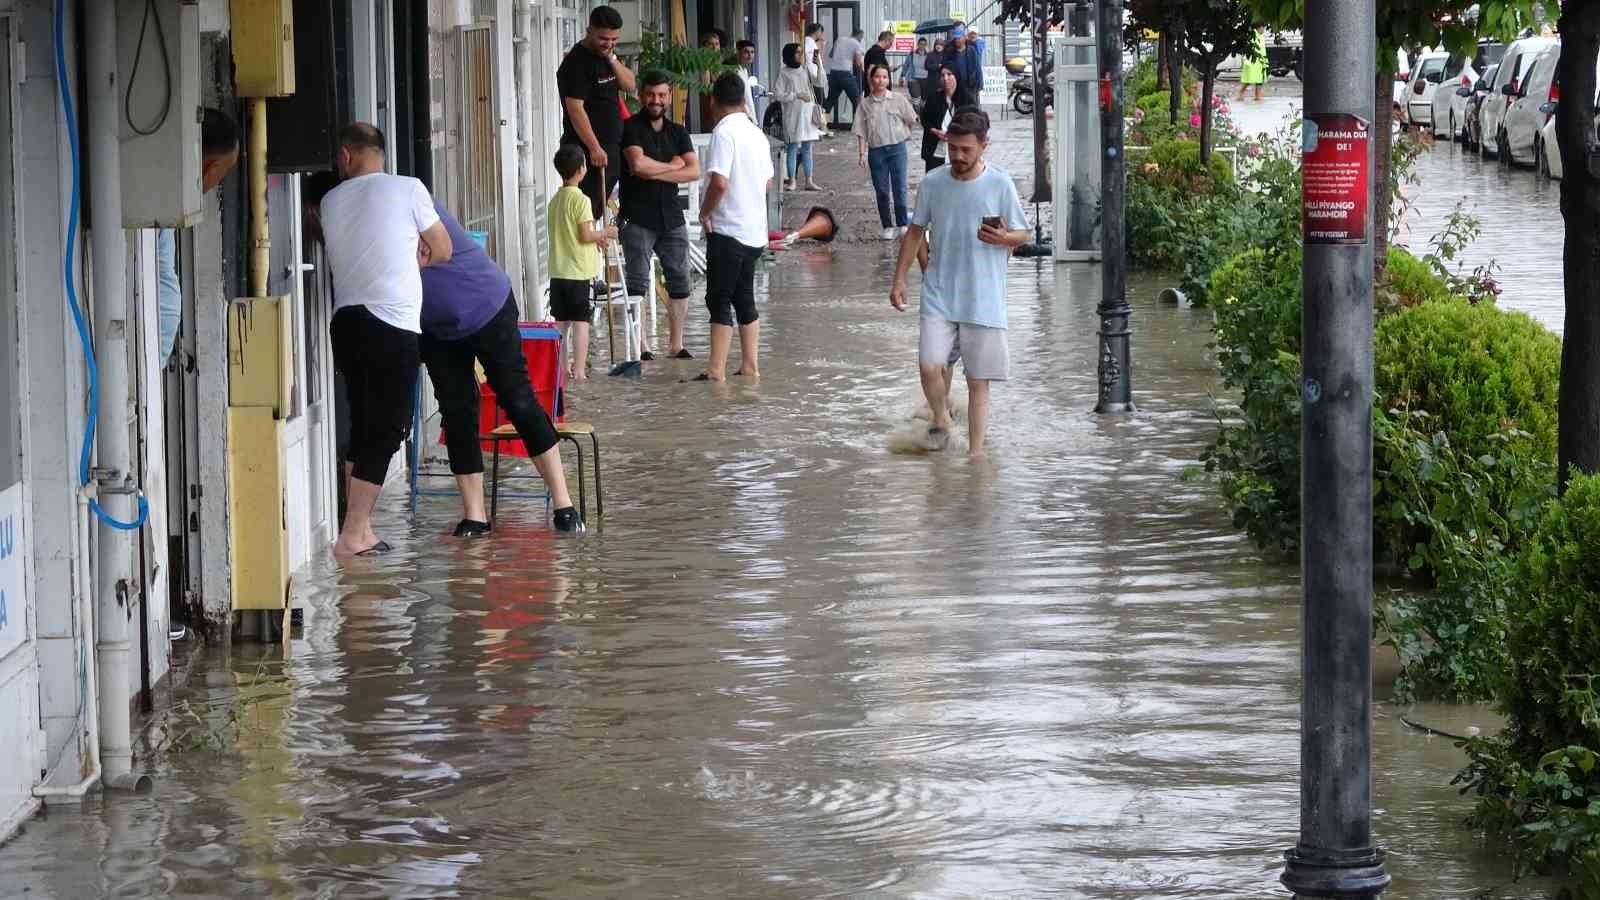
(1116, 377)
(1335, 856)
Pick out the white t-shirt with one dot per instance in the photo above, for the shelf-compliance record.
(816, 70)
(844, 55)
(370, 224)
(739, 153)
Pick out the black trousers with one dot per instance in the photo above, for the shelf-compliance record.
(498, 346)
(731, 280)
(379, 362)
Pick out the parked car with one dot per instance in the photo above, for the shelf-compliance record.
(1547, 152)
(1473, 97)
(1519, 134)
(1426, 76)
(1508, 85)
(1449, 103)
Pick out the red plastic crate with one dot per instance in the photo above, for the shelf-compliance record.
(541, 348)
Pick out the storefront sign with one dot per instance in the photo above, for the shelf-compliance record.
(13, 609)
(1337, 181)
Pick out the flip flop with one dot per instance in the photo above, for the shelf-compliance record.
(683, 354)
(378, 549)
(647, 356)
(701, 377)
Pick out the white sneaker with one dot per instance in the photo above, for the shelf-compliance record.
(890, 234)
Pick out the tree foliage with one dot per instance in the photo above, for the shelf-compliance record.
(1213, 31)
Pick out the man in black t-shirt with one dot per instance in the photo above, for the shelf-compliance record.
(591, 80)
(878, 54)
(659, 156)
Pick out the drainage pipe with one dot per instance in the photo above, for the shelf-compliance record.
(260, 239)
(116, 490)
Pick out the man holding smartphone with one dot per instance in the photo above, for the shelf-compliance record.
(972, 219)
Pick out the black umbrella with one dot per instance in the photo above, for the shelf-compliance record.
(936, 26)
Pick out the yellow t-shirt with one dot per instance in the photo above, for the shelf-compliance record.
(571, 258)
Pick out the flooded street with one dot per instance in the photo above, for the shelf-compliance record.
(791, 663)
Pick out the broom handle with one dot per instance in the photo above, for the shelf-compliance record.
(611, 319)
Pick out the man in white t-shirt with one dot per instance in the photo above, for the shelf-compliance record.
(815, 60)
(733, 214)
(846, 66)
(375, 226)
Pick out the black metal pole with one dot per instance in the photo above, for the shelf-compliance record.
(1335, 856)
(1116, 376)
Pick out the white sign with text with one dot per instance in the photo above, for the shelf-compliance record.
(995, 86)
(13, 609)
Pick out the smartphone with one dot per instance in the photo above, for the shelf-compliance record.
(994, 222)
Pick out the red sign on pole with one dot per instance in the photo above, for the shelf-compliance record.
(1336, 180)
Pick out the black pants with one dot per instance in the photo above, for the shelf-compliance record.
(730, 280)
(591, 185)
(498, 346)
(379, 362)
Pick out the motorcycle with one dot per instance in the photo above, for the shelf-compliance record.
(1022, 92)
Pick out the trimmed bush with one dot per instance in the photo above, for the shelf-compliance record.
(1539, 781)
(1180, 167)
(1410, 281)
(1476, 369)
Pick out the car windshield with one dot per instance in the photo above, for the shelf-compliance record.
(1488, 78)
(1432, 66)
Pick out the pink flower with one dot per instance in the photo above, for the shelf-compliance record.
(1138, 114)
(1194, 121)
(1255, 151)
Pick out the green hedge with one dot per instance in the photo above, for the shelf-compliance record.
(1539, 781)
(1476, 369)
(1181, 167)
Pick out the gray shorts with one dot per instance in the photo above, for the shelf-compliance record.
(671, 247)
(982, 350)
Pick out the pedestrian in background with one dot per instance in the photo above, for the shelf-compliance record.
(935, 59)
(733, 215)
(937, 111)
(968, 61)
(659, 156)
(575, 236)
(971, 215)
(884, 122)
(1253, 72)
(914, 71)
(878, 54)
(845, 64)
(800, 131)
(590, 80)
(815, 55)
(371, 225)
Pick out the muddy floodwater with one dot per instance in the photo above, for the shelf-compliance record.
(791, 663)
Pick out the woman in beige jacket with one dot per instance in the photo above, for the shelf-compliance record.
(884, 123)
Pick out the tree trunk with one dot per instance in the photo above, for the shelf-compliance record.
(1382, 155)
(1161, 62)
(1208, 84)
(1578, 434)
(1175, 70)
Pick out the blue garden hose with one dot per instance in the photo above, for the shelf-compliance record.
(72, 291)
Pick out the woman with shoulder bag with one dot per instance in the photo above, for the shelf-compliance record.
(793, 90)
(936, 113)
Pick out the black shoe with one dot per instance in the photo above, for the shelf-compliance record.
(647, 356)
(567, 520)
(683, 354)
(473, 528)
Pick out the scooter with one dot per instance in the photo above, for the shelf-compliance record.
(1022, 93)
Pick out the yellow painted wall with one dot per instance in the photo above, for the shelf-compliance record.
(255, 506)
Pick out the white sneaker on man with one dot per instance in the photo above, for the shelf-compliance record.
(890, 234)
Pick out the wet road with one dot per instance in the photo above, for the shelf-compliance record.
(1519, 211)
(793, 663)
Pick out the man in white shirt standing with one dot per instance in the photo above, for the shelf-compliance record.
(733, 215)
(375, 226)
(814, 58)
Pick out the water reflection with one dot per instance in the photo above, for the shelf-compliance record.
(793, 664)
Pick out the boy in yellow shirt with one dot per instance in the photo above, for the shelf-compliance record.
(575, 240)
